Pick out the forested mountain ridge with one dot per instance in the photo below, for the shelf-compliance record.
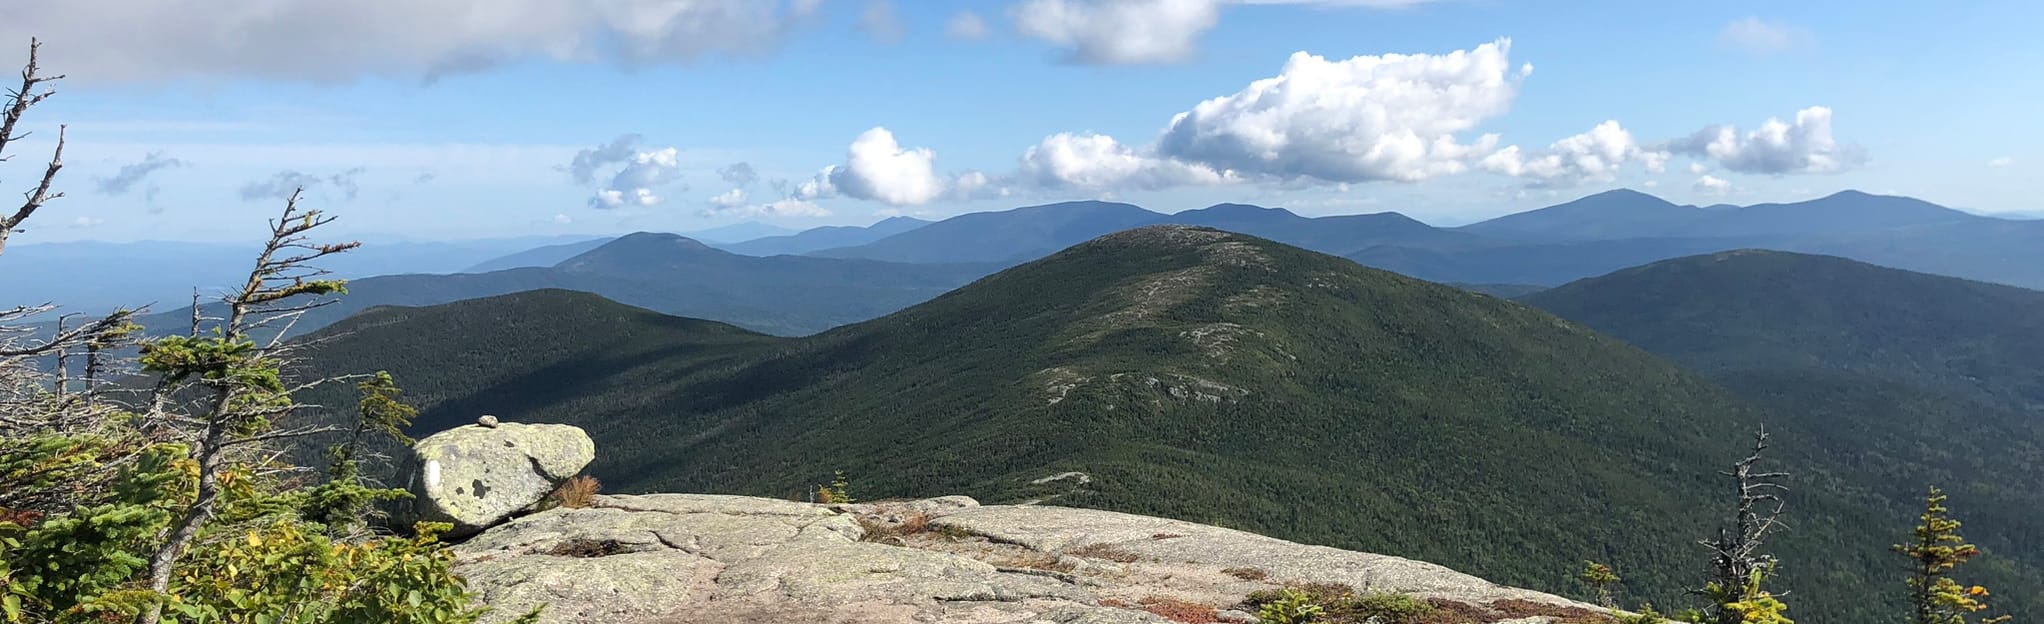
(1889, 379)
(1194, 374)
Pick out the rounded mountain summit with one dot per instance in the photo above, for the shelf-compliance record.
(1192, 373)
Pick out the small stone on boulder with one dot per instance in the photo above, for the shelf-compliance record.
(487, 421)
(477, 476)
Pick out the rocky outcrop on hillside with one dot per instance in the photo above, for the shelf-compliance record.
(701, 559)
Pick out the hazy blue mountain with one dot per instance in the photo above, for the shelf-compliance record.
(1621, 213)
(738, 232)
(1008, 236)
(96, 276)
(828, 237)
(1616, 229)
(1332, 235)
(1538, 264)
(669, 273)
(538, 256)
(1625, 213)
(1844, 211)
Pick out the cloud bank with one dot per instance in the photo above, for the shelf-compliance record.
(322, 40)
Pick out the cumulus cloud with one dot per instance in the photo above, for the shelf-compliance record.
(882, 22)
(816, 187)
(1760, 37)
(279, 185)
(583, 167)
(563, 219)
(321, 40)
(966, 26)
(1097, 161)
(1712, 185)
(129, 175)
(635, 182)
(730, 199)
(878, 168)
(1367, 118)
(738, 174)
(87, 222)
(2001, 162)
(1776, 147)
(1119, 32)
(1594, 156)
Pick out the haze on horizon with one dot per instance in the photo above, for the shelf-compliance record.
(190, 120)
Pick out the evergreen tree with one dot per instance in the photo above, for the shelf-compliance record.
(1936, 550)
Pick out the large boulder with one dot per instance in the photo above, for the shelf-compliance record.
(478, 475)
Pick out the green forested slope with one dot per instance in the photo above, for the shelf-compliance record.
(1879, 381)
(1192, 373)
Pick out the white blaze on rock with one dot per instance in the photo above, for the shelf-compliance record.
(477, 476)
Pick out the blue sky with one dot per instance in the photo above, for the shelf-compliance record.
(435, 119)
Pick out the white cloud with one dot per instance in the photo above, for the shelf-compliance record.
(789, 207)
(87, 222)
(881, 22)
(616, 198)
(738, 174)
(1097, 161)
(1712, 185)
(1594, 156)
(562, 219)
(1119, 32)
(1760, 37)
(818, 187)
(966, 26)
(1776, 147)
(878, 168)
(323, 40)
(583, 167)
(1130, 32)
(283, 184)
(2001, 162)
(730, 199)
(122, 181)
(634, 183)
(1367, 118)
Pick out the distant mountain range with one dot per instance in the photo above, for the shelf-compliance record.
(786, 295)
(829, 237)
(738, 232)
(1545, 247)
(1510, 255)
(94, 277)
(1223, 378)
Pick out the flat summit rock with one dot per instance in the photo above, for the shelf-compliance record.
(476, 476)
(703, 559)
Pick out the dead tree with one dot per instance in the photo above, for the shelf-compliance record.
(23, 351)
(1737, 556)
(19, 100)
